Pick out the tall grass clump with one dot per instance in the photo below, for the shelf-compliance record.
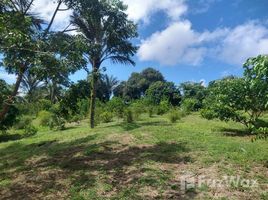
(128, 116)
(174, 115)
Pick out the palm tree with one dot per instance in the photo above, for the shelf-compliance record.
(31, 85)
(110, 83)
(104, 31)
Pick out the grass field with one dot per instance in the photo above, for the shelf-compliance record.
(143, 160)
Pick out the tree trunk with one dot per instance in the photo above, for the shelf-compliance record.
(52, 92)
(7, 104)
(52, 19)
(93, 95)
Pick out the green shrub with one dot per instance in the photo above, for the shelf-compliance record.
(56, 123)
(23, 121)
(150, 110)
(174, 116)
(261, 133)
(208, 114)
(138, 107)
(76, 118)
(106, 117)
(128, 116)
(163, 107)
(190, 105)
(44, 117)
(44, 104)
(100, 108)
(117, 106)
(182, 113)
(29, 130)
(159, 110)
(83, 107)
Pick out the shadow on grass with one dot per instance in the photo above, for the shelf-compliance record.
(53, 166)
(135, 125)
(12, 137)
(15, 136)
(235, 132)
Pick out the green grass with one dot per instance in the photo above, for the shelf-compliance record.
(142, 160)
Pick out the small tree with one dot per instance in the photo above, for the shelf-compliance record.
(137, 84)
(117, 106)
(243, 100)
(193, 93)
(159, 91)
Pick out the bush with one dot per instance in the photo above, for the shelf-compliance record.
(190, 105)
(138, 107)
(44, 117)
(106, 117)
(163, 107)
(100, 108)
(150, 111)
(29, 130)
(45, 104)
(76, 119)
(23, 121)
(173, 116)
(117, 106)
(83, 107)
(261, 133)
(128, 116)
(208, 114)
(56, 123)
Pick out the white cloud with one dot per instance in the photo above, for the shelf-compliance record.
(179, 43)
(202, 6)
(244, 41)
(142, 10)
(46, 8)
(172, 45)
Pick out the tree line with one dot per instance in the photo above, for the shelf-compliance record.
(43, 59)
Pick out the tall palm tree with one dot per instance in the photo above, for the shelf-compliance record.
(105, 32)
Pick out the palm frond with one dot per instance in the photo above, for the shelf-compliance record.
(117, 59)
(82, 25)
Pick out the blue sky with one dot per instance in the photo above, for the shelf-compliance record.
(188, 40)
(215, 22)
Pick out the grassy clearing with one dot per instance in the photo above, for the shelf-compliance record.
(142, 160)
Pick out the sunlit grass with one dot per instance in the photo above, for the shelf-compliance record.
(130, 161)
